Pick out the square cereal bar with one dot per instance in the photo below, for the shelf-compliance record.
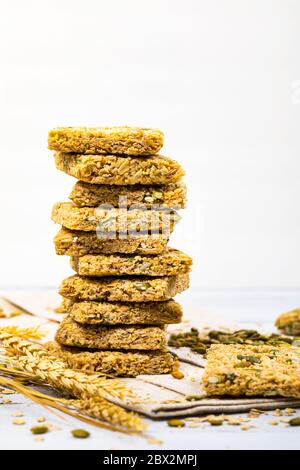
(92, 195)
(119, 170)
(118, 363)
(169, 263)
(124, 289)
(80, 243)
(129, 313)
(112, 221)
(102, 140)
(237, 370)
(71, 333)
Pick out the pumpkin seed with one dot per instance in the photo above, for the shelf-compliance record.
(252, 359)
(295, 421)
(142, 286)
(39, 429)
(80, 433)
(176, 423)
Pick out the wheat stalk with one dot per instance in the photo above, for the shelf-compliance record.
(29, 333)
(97, 407)
(35, 361)
(38, 361)
(64, 406)
(74, 382)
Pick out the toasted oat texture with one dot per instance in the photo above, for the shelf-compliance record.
(92, 195)
(119, 140)
(238, 370)
(71, 333)
(169, 263)
(119, 170)
(79, 243)
(65, 306)
(112, 221)
(118, 363)
(289, 322)
(130, 313)
(124, 289)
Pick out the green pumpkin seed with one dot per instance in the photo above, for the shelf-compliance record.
(295, 421)
(80, 433)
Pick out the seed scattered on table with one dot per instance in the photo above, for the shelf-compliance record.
(294, 421)
(177, 374)
(80, 433)
(19, 421)
(176, 423)
(39, 429)
(41, 419)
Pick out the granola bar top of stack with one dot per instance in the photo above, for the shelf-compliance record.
(126, 313)
(119, 170)
(71, 333)
(289, 322)
(106, 140)
(80, 243)
(118, 363)
(92, 195)
(169, 263)
(123, 289)
(238, 370)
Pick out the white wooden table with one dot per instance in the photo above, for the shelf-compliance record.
(248, 307)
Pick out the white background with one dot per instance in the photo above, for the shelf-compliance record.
(221, 78)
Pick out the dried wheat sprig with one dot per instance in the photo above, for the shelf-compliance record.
(56, 403)
(38, 363)
(26, 333)
(97, 407)
(74, 382)
(17, 346)
(48, 368)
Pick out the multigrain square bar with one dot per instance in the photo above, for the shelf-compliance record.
(238, 370)
(71, 333)
(289, 322)
(112, 221)
(115, 140)
(169, 263)
(92, 195)
(119, 170)
(124, 289)
(130, 313)
(117, 363)
(79, 243)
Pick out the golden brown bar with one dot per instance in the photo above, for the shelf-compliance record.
(124, 289)
(92, 195)
(289, 322)
(130, 313)
(113, 220)
(79, 243)
(119, 170)
(71, 333)
(237, 370)
(117, 363)
(169, 263)
(103, 140)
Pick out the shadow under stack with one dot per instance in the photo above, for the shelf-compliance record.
(116, 231)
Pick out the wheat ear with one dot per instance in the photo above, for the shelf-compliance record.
(97, 407)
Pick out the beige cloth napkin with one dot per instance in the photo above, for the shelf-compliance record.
(158, 396)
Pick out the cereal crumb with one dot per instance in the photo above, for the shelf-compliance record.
(41, 419)
(177, 374)
(19, 421)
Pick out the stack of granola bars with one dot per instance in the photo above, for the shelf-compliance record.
(116, 231)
